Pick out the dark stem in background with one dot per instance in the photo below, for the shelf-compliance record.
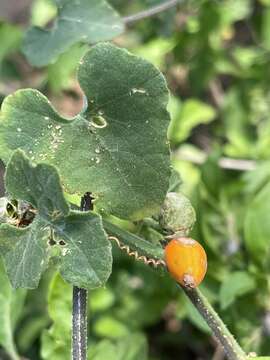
(79, 306)
(151, 12)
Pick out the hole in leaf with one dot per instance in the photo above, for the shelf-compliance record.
(98, 121)
(21, 214)
(62, 243)
(51, 241)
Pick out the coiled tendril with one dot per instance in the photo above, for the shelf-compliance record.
(136, 255)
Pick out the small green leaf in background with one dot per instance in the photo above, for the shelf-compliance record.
(108, 326)
(132, 347)
(156, 51)
(77, 21)
(86, 259)
(10, 36)
(42, 11)
(101, 299)
(255, 180)
(257, 225)
(117, 148)
(265, 28)
(60, 73)
(236, 284)
(11, 302)
(236, 123)
(56, 342)
(191, 113)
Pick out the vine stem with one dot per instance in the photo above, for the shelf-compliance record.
(221, 332)
(79, 324)
(79, 306)
(231, 347)
(150, 12)
(223, 162)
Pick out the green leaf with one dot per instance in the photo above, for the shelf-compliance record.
(40, 186)
(11, 305)
(101, 299)
(175, 181)
(56, 342)
(236, 121)
(116, 148)
(42, 12)
(235, 285)
(234, 10)
(25, 252)
(265, 28)
(132, 347)
(156, 50)
(256, 179)
(60, 73)
(10, 36)
(77, 21)
(86, 254)
(192, 113)
(257, 226)
(108, 326)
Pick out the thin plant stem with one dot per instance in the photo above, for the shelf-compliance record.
(79, 306)
(151, 12)
(79, 324)
(223, 162)
(231, 347)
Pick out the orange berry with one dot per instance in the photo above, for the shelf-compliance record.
(186, 261)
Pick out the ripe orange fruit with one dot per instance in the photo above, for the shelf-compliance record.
(186, 261)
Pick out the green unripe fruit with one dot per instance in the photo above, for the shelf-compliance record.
(177, 215)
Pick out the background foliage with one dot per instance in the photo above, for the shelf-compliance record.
(215, 56)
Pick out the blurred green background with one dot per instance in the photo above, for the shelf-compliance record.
(215, 55)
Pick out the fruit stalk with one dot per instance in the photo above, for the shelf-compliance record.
(79, 307)
(221, 332)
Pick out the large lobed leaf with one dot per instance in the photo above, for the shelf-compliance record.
(116, 148)
(77, 21)
(86, 252)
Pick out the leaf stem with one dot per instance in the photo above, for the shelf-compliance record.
(79, 306)
(221, 332)
(150, 12)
